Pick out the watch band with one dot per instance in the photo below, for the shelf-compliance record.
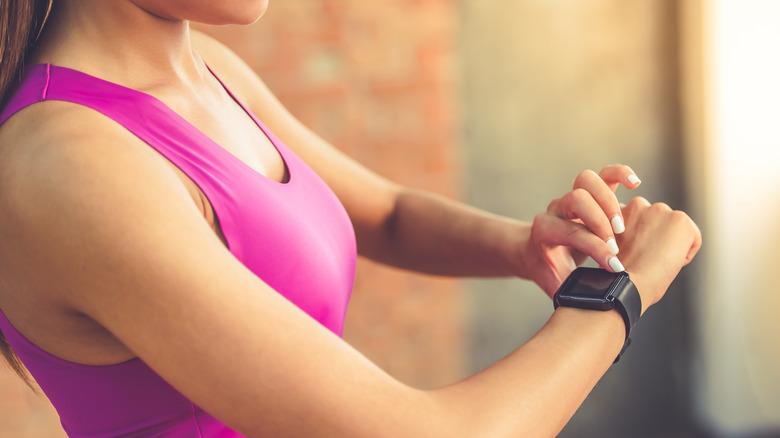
(628, 302)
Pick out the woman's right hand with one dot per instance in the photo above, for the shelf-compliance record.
(657, 243)
(581, 223)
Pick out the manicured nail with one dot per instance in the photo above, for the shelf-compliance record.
(615, 264)
(617, 224)
(612, 244)
(633, 179)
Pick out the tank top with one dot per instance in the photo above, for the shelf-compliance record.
(295, 236)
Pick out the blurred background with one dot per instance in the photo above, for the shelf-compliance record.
(501, 103)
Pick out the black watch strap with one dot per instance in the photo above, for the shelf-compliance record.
(629, 304)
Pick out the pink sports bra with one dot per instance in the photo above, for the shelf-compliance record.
(295, 236)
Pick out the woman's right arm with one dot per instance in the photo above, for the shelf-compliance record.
(113, 233)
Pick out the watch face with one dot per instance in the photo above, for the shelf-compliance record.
(592, 283)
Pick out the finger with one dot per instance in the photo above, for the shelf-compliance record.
(553, 230)
(620, 174)
(605, 197)
(662, 208)
(638, 202)
(580, 204)
(632, 211)
(554, 206)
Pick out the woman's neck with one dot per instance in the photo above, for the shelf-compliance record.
(120, 42)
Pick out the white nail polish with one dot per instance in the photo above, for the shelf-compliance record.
(633, 179)
(612, 244)
(615, 264)
(617, 224)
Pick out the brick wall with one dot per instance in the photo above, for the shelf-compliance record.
(376, 80)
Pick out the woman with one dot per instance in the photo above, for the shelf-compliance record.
(171, 268)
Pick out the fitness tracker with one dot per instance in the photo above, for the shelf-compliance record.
(598, 289)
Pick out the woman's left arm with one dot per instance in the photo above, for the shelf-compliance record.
(424, 232)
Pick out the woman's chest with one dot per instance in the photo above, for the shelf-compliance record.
(225, 123)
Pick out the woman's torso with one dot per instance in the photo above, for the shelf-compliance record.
(214, 113)
(306, 226)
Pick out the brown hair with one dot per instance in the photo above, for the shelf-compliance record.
(21, 22)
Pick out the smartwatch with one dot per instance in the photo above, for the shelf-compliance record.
(598, 289)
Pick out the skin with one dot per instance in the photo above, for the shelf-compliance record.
(98, 247)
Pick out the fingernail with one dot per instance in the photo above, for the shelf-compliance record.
(612, 244)
(633, 179)
(615, 264)
(617, 224)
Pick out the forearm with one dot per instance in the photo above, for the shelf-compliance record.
(435, 235)
(535, 390)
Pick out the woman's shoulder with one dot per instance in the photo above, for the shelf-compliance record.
(54, 150)
(63, 167)
(53, 136)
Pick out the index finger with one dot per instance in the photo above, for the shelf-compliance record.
(617, 174)
(597, 187)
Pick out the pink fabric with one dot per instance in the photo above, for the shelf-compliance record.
(295, 236)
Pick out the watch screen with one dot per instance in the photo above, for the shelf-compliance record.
(593, 283)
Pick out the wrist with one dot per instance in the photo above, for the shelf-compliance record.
(597, 290)
(607, 327)
(517, 252)
(645, 286)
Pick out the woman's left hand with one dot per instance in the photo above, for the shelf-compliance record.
(582, 223)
